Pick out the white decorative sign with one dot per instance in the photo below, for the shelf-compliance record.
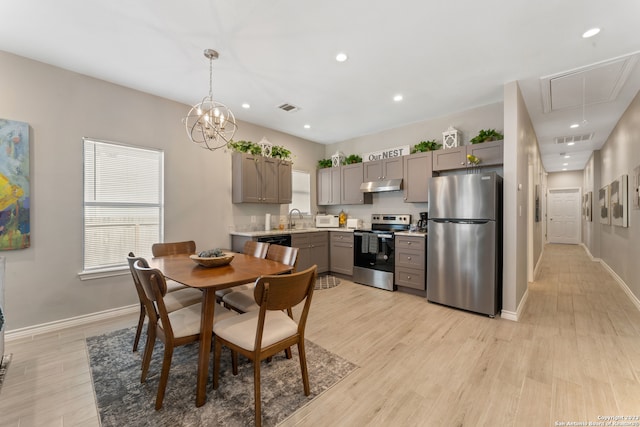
(450, 138)
(386, 154)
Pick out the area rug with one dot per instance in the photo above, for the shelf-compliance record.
(123, 401)
(4, 365)
(326, 282)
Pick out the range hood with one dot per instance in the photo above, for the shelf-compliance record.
(382, 185)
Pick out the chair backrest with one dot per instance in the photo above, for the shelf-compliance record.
(155, 288)
(256, 249)
(283, 254)
(131, 259)
(283, 292)
(173, 248)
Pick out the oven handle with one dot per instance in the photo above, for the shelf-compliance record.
(386, 236)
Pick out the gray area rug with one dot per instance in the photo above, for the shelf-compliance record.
(326, 282)
(123, 401)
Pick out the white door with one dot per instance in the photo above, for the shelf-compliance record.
(563, 221)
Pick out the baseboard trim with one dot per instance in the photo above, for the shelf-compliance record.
(514, 316)
(70, 322)
(622, 284)
(586, 249)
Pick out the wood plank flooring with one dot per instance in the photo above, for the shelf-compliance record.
(573, 357)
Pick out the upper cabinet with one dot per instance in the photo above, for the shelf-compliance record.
(328, 186)
(489, 153)
(352, 178)
(383, 169)
(256, 179)
(417, 173)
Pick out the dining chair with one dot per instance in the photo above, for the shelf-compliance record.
(259, 335)
(252, 248)
(241, 299)
(173, 248)
(178, 296)
(174, 328)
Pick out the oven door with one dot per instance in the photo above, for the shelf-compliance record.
(374, 250)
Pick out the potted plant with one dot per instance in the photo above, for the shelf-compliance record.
(324, 163)
(423, 146)
(245, 147)
(487, 135)
(280, 152)
(352, 158)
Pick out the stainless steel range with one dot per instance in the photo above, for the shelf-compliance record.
(374, 250)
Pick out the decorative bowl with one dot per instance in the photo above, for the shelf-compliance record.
(212, 261)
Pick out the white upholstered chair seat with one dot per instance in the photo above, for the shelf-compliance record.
(241, 299)
(222, 292)
(186, 321)
(173, 286)
(182, 298)
(241, 329)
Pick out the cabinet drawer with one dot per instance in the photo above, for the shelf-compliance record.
(410, 258)
(416, 243)
(410, 278)
(340, 237)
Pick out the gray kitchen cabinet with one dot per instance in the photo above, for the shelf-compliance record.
(352, 177)
(383, 169)
(328, 186)
(284, 182)
(418, 170)
(341, 252)
(255, 179)
(313, 248)
(490, 154)
(410, 262)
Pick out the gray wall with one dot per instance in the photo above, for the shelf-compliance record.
(568, 179)
(619, 247)
(42, 283)
(591, 183)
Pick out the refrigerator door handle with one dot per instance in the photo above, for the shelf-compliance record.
(461, 221)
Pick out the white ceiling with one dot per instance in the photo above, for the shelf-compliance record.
(444, 57)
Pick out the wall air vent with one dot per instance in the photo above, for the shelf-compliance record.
(573, 138)
(288, 108)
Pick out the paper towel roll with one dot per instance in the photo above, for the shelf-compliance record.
(267, 222)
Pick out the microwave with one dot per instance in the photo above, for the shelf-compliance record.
(327, 221)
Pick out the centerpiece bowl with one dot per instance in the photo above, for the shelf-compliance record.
(217, 261)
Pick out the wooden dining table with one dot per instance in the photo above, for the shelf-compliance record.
(242, 269)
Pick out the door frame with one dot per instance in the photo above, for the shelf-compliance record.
(579, 209)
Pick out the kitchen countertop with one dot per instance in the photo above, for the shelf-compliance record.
(260, 233)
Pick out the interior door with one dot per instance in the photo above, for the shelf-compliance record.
(563, 220)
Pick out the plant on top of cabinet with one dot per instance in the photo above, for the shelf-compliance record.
(352, 159)
(487, 135)
(423, 146)
(280, 152)
(324, 163)
(245, 147)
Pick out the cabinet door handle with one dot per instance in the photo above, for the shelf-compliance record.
(408, 277)
(409, 258)
(463, 163)
(408, 243)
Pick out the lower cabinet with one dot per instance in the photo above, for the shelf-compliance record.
(313, 248)
(341, 251)
(410, 266)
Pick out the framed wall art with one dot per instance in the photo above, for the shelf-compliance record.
(635, 190)
(603, 204)
(619, 202)
(587, 206)
(15, 232)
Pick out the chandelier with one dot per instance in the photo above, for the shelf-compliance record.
(210, 124)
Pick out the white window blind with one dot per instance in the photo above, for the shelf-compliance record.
(301, 191)
(123, 203)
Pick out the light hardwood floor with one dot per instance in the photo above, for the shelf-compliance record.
(573, 357)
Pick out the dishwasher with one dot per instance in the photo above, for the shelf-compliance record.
(278, 239)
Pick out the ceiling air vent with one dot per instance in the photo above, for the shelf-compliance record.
(574, 138)
(288, 108)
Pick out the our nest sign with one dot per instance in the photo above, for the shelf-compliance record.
(386, 154)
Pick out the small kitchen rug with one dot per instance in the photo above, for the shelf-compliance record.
(326, 282)
(123, 401)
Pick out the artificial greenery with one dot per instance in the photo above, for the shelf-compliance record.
(423, 146)
(324, 163)
(352, 158)
(245, 147)
(487, 135)
(280, 152)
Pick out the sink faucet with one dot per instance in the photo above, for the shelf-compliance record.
(291, 224)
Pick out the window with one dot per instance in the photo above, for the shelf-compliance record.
(301, 191)
(123, 203)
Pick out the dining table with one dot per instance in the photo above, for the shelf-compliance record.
(241, 270)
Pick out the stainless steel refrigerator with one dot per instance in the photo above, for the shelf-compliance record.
(464, 246)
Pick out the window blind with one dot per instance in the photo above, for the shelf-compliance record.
(123, 203)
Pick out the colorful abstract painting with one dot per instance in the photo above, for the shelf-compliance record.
(15, 231)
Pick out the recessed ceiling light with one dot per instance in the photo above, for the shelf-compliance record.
(341, 57)
(567, 157)
(307, 126)
(565, 164)
(246, 105)
(571, 143)
(590, 33)
(397, 98)
(564, 169)
(575, 125)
